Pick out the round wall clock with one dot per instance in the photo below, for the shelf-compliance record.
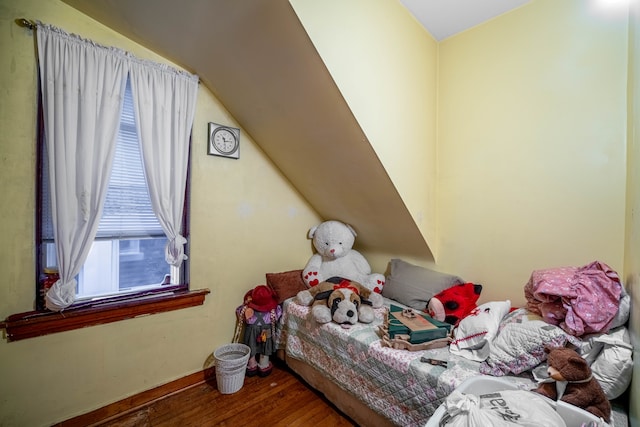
(224, 141)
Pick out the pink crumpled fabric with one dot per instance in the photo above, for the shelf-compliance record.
(581, 300)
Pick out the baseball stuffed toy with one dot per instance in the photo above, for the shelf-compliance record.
(454, 303)
(342, 301)
(570, 380)
(334, 257)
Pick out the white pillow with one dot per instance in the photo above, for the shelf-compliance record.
(611, 359)
(520, 343)
(413, 285)
(473, 336)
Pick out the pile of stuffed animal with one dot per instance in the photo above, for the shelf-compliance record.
(342, 287)
(336, 262)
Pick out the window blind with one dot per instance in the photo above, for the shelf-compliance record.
(127, 210)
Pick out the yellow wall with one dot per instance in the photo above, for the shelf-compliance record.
(530, 173)
(531, 144)
(246, 220)
(632, 246)
(385, 64)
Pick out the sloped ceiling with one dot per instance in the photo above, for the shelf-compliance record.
(257, 59)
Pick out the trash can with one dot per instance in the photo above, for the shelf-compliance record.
(231, 364)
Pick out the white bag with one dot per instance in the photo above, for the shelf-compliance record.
(506, 408)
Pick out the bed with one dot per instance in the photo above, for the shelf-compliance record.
(394, 386)
(376, 385)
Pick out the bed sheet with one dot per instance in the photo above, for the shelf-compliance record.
(394, 383)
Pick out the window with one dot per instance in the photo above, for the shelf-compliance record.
(127, 255)
(129, 247)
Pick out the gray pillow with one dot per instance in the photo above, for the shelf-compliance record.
(413, 285)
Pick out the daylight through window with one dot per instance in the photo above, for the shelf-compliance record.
(127, 254)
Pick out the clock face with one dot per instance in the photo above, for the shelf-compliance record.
(225, 141)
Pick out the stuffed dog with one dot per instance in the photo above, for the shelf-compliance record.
(340, 300)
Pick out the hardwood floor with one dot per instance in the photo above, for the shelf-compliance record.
(281, 399)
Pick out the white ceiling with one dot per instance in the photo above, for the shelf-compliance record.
(444, 18)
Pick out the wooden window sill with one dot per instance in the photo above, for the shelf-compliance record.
(38, 323)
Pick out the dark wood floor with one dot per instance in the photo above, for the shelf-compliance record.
(280, 399)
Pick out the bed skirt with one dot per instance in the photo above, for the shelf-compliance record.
(347, 403)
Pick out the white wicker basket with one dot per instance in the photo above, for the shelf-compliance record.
(231, 363)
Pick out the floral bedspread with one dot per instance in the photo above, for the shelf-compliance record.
(394, 383)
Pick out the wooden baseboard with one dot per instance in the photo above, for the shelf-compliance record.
(138, 401)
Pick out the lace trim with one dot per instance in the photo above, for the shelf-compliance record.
(468, 337)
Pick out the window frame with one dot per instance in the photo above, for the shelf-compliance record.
(33, 324)
(110, 309)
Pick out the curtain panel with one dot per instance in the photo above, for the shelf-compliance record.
(165, 106)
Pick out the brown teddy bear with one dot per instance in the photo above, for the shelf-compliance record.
(568, 369)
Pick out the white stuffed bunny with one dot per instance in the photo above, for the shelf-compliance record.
(335, 257)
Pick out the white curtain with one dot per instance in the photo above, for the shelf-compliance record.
(82, 88)
(164, 101)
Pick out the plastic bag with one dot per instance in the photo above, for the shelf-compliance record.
(506, 408)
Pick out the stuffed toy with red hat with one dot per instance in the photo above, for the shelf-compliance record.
(454, 303)
(257, 318)
(342, 301)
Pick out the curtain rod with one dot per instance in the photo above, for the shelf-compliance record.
(25, 23)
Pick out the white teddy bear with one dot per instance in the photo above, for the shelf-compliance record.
(335, 257)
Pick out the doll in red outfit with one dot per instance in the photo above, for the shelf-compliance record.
(259, 314)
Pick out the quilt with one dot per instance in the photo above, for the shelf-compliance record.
(394, 383)
(402, 386)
